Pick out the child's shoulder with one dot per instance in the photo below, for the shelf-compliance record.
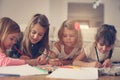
(57, 45)
(90, 45)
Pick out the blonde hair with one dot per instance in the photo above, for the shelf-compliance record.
(43, 21)
(71, 25)
(7, 26)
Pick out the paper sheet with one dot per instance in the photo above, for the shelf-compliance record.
(79, 74)
(22, 70)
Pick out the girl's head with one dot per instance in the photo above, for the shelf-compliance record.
(9, 33)
(105, 38)
(38, 29)
(70, 34)
(36, 32)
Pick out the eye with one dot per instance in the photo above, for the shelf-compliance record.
(101, 44)
(64, 35)
(33, 32)
(41, 34)
(72, 35)
(13, 39)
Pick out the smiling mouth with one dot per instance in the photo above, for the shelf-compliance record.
(34, 41)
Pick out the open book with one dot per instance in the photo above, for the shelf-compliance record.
(22, 70)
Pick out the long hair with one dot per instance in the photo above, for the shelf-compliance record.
(71, 25)
(43, 21)
(7, 26)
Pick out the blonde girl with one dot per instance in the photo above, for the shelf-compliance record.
(9, 33)
(69, 44)
(35, 40)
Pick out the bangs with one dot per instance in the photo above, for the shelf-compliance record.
(105, 41)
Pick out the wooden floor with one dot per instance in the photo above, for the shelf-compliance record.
(43, 77)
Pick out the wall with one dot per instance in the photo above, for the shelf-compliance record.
(56, 10)
(22, 10)
(58, 13)
(86, 12)
(112, 13)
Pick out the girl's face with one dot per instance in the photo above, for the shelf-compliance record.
(69, 37)
(103, 48)
(10, 40)
(36, 34)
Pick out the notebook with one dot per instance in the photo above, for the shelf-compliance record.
(22, 70)
(77, 74)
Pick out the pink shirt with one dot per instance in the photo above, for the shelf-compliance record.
(7, 61)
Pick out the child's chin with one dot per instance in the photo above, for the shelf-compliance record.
(34, 42)
(9, 47)
(104, 52)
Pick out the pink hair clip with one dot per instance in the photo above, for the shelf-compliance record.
(77, 26)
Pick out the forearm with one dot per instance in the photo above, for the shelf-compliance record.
(66, 62)
(81, 63)
(31, 62)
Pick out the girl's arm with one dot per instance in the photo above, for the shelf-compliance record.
(107, 63)
(78, 61)
(7, 61)
(53, 60)
(24, 57)
(66, 61)
(32, 62)
(53, 56)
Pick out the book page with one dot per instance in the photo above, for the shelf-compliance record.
(81, 73)
(22, 70)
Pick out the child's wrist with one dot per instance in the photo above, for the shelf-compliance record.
(44, 54)
(26, 61)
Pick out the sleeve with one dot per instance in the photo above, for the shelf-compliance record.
(7, 61)
(87, 50)
(55, 50)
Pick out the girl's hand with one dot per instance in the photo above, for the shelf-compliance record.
(107, 63)
(42, 59)
(55, 62)
(32, 62)
(95, 64)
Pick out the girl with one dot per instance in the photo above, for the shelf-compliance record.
(99, 53)
(35, 40)
(69, 44)
(9, 32)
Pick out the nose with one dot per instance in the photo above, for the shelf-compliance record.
(104, 48)
(68, 37)
(35, 36)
